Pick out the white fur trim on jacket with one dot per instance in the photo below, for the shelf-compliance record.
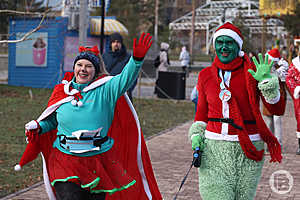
(197, 128)
(218, 136)
(296, 63)
(272, 58)
(296, 92)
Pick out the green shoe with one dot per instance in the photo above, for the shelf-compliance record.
(298, 152)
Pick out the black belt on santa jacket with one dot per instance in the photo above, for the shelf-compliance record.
(231, 122)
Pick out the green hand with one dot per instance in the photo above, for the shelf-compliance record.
(263, 69)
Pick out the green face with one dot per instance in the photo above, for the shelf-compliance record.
(227, 49)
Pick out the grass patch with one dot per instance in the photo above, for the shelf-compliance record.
(17, 108)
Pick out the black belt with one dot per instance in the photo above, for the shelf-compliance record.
(231, 122)
(98, 141)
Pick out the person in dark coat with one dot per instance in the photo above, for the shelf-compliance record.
(116, 58)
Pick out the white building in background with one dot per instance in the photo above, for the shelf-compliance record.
(209, 16)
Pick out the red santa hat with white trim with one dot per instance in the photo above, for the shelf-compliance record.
(228, 29)
(274, 54)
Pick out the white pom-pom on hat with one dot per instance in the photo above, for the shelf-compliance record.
(18, 167)
(296, 92)
(74, 102)
(79, 103)
(241, 53)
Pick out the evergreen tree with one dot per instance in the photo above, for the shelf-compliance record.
(135, 15)
(247, 46)
(292, 22)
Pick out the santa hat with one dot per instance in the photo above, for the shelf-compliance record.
(31, 152)
(228, 29)
(274, 55)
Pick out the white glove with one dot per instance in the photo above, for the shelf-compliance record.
(32, 130)
(33, 124)
(296, 92)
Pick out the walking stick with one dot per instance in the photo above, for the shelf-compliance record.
(196, 163)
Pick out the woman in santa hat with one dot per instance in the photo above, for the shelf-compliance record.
(89, 134)
(228, 125)
(293, 84)
(280, 68)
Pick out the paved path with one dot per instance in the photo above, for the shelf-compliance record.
(171, 156)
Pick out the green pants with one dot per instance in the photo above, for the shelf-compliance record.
(226, 173)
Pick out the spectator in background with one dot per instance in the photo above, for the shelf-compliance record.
(293, 52)
(228, 126)
(280, 69)
(252, 54)
(164, 62)
(284, 53)
(116, 58)
(194, 97)
(164, 57)
(184, 58)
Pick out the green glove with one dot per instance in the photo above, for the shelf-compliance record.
(196, 141)
(263, 69)
(196, 133)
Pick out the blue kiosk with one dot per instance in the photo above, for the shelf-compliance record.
(41, 60)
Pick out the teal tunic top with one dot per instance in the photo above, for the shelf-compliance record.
(96, 112)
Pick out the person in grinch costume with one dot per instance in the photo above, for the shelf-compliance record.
(228, 126)
(89, 135)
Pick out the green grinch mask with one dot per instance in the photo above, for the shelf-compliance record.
(227, 49)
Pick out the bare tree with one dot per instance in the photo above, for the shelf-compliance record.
(44, 12)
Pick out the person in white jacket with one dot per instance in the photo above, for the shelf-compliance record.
(164, 63)
(184, 58)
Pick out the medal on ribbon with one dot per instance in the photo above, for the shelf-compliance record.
(225, 95)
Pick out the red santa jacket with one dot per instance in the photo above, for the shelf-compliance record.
(293, 77)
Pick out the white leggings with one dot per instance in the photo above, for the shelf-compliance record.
(275, 125)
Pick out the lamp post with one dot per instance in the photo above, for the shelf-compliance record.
(192, 30)
(83, 22)
(102, 25)
(156, 25)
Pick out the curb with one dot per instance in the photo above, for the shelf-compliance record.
(22, 191)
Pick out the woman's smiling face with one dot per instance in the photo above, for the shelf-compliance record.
(84, 71)
(226, 48)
